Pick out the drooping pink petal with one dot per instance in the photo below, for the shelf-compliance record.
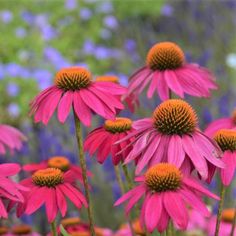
(227, 174)
(64, 106)
(128, 195)
(197, 186)
(198, 161)
(36, 199)
(175, 207)
(194, 201)
(134, 199)
(173, 83)
(61, 201)
(9, 169)
(110, 87)
(82, 111)
(33, 167)
(163, 221)
(153, 211)
(162, 88)
(207, 150)
(51, 204)
(50, 105)
(176, 152)
(142, 124)
(153, 84)
(148, 153)
(95, 104)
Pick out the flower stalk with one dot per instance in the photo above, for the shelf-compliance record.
(220, 208)
(54, 228)
(84, 171)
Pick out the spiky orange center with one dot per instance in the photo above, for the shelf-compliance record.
(73, 78)
(164, 56)
(163, 177)
(3, 230)
(108, 78)
(119, 125)
(70, 221)
(228, 215)
(234, 116)
(49, 177)
(81, 233)
(59, 162)
(22, 229)
(226, 139)
(175, 116)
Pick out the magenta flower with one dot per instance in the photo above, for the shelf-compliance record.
(59, 162)
(11, 138)
(75, 88)
(226, 139)
(166, 70)
(131, 100)
(223, 123)
(101, 140)
(9, 190)
(171, 135)
(167, 192)
(50, 187)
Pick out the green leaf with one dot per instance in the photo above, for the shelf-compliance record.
(63, 231)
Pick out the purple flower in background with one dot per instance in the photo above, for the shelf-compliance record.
(102, 52)
(44, 78)
(167, 10)
(6, 16)
(55, 57)
(105, 34)
(13, 70)
(20, 32)
(105, 7)
(110, 22)
(123, 79)
(71, 4)
(130, 45)
(1, 72)
(13, 109)
(88, 47)
(28, 17)
(85, 13)
(41, 20)
(48, 32)
(12, 89)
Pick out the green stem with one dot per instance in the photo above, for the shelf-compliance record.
(220, 208)
(122, 188)
(128, 179)
(84, 171)
(233, 224)
(54, 228)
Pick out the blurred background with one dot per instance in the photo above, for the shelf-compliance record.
(39, 37)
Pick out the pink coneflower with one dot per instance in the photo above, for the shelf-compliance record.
(74, 88)
(171, 135)
(131, 99)
(101, 140)
(50, 187)
(11, 138)
(226, 139)
(59, 162)
(9, 190)
(222, 123)
(167, 192)
(225, 224)
(166, 70)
